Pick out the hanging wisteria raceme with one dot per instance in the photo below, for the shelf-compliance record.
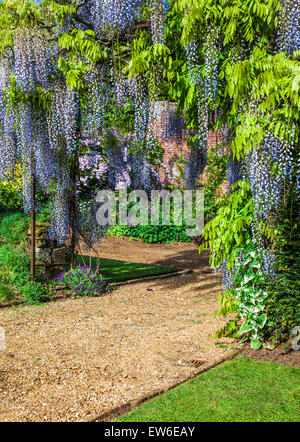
(46, 160)
(26, 139)
(142, 174)
(32, 53)
(117, 154)
(99, 93)
(62, 118)
(121, 90)
(261, 184)
(24, 61)
(112, 15)
(298, 176)
(62, 133)
(195, 166)
(158, 9)
(211, 54)
(203, 119)
(60, 221)
(8, 140)
(138, 93)
(23, 134)
(197, 158)
(39, 161)
(269, 167)
(288, 38)
(227, 276)
(208, 86)
(8, 144)
(192, 55)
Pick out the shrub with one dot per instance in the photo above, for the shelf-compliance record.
(11, 189)
(15, 277)
(14, 271)
(35, 292)
(283, 307)
(14, 265)
(250, 291)
(83, 281)
(153, 234)
(13, 227)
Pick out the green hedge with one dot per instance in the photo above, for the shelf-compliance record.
(152, 234)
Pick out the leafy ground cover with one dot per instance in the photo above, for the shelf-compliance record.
(241, 390)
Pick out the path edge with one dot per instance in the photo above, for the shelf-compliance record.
(116, 412)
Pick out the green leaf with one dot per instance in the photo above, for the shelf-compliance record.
(255, 344)
(245, 328)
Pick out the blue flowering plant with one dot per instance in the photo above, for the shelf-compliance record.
(84, 281)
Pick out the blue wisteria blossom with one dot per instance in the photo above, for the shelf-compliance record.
(288, 36)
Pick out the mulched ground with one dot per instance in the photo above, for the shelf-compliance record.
(78, 359)
(75, 359)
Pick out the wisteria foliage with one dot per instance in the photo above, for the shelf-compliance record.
(270, 165)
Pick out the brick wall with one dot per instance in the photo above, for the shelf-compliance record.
(168, 128)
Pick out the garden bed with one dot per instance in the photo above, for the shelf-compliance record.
(282, 354)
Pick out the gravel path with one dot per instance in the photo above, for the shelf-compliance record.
(72, 360)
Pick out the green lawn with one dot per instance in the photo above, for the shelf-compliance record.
(117, 271)
(241, 390)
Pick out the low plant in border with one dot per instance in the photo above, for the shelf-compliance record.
(83, 281)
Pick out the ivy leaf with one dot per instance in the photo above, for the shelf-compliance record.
(245, 328)
(261, 320)
(255, 344)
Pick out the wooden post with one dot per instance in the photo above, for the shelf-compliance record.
(33, 221)
(73, 240)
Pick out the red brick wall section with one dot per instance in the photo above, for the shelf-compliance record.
(167, 126)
